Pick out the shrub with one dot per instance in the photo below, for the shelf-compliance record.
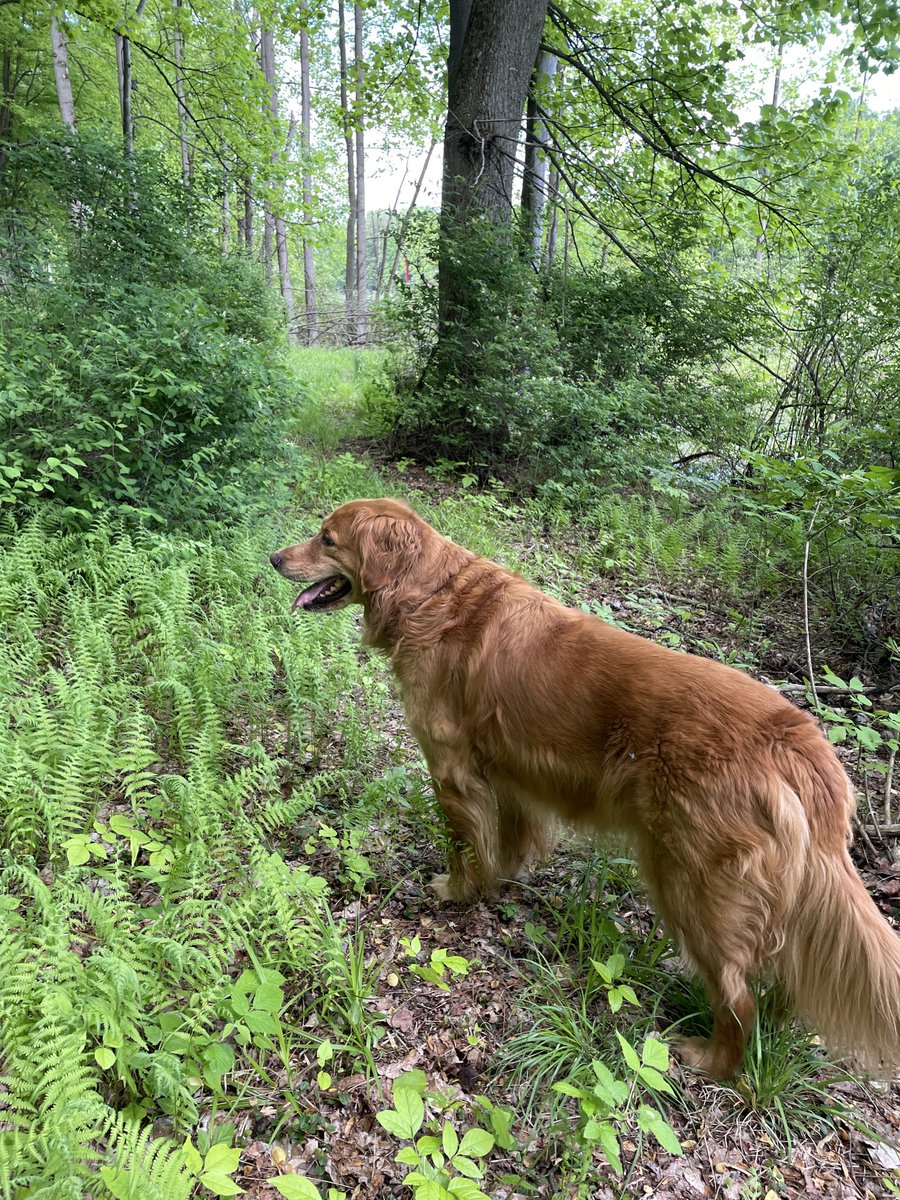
(135, 366)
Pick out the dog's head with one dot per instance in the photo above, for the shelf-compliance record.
(362, 548)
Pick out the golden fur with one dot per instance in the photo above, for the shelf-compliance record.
(734, 801)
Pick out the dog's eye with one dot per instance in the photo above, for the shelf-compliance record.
(327, 539)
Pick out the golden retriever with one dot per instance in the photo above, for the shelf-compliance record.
(526, 710)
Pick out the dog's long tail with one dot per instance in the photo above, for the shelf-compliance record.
(840, 959)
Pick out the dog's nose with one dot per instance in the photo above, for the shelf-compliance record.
(276, 560)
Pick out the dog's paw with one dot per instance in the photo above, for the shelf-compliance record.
(701, 1055)
(440, 885)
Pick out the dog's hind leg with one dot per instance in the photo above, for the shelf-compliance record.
(524, 833)
(468, 803)
(720, 929)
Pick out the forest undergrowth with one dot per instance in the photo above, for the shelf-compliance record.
(219, 967)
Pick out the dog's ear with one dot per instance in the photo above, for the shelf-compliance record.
(388, 549)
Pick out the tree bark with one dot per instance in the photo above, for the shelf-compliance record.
(492, 50)
(362, 283)
(350, 269)
(534, 180)
(267, 66)
(123, 72)
(187, 162)
(6, 110)
(281, 249)
(60, 71)
(309, 271)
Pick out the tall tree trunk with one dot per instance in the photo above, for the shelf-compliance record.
(350, 269)
(123, 71)
(309, 270)
(281, 250)
(6, 109)
(534, 180)
(187, 162)
(267, 66)
(362, 285)
(245, 224)
(60, 71)
(226, 211)
(493, 48)
(553, 195)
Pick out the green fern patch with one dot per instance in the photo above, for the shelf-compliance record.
(163, 719)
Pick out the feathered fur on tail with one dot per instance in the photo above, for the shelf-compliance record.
(840, 959)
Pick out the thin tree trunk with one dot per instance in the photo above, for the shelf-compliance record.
(385, 234)
(534, 181)
(361, 271)
(126, 84)
(187, 163)
(309, 270)
(6, 109)
(226, 212)
(281, 250)
(553, 191)
(123, 71)
(350, 269)
(60, 71)
(267, 65)
(404, 225)
(247, 188)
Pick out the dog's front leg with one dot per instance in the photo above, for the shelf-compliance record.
(467, 802)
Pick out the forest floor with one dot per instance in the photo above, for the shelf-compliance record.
(521, 1013)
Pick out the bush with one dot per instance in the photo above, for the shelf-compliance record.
(595, 378)
(135, 367)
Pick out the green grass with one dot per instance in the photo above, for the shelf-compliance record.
(331, 382)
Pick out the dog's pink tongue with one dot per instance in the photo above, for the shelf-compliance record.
(306, 598)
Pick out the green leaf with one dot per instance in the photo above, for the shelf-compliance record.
(408, 1156)
(105, 1057)
(269, 997)
(222, 1158)
(415, 1080)
(467, 1166)
(295, 1187)
(655, 1054)
(609, 1144)
(629, 1052)
(325, 1053)
(465, 1189)
(218, 1060)
(77, 853)
(653, 1079)
(220, 1184)
(405, 1119)
(449, 1140)
(118, 1182)
(476, 1143)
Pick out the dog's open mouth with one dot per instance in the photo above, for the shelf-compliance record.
(323, 594)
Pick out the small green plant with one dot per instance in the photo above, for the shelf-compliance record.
(445, 1164)
(610, 975)
(607, 1103)
(439, 963)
